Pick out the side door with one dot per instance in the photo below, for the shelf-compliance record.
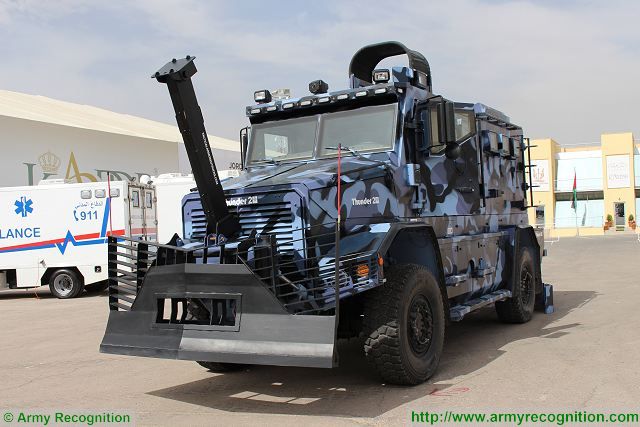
(453, 185)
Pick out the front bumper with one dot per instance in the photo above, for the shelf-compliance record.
(264, 332)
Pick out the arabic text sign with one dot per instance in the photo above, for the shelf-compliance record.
(618, 171)
(540, 175)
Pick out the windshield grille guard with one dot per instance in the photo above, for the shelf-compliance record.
(302, 280)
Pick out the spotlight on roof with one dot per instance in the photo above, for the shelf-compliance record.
(318, 86)
(381, 76)
(262, 96)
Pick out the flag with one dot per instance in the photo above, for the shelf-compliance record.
(574, 200)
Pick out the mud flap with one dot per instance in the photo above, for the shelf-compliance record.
(544, 301)
(260, 331)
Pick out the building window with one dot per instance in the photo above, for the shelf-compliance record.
(540, 215)
(588, 174)
(589, 211)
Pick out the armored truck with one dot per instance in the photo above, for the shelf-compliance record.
(380, 212)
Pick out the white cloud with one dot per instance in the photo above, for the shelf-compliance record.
(565, 71)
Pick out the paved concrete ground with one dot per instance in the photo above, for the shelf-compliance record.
(586, 355)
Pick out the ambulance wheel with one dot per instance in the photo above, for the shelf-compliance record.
(519, 308)
(221, 367)
(97, 286)
(65, 284)
(404, 323)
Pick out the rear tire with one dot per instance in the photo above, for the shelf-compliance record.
(221, 367)
(65, 284)
(404, 325)
(519, 308)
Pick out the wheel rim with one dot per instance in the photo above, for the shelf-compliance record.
(526, 285)
(420, 325)
(63, 284)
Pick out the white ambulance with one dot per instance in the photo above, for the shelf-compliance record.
(56, 234)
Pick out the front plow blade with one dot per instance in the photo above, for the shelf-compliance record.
(250, 325)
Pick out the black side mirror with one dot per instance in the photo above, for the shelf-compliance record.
(452, 150)
(447, 129)
(244, 142)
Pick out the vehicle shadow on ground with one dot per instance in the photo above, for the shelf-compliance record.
(352, 390)
(43, 293)
(34, 293)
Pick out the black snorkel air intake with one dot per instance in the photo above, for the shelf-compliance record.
(177, 75)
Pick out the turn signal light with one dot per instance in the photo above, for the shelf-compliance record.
(362, 270)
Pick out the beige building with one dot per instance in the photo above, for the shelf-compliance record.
(47, 138)
(607, 183)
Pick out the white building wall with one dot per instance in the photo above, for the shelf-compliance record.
(31, 151)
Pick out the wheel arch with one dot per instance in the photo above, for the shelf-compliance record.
(526, 237)
(416, 244)
(46, 277)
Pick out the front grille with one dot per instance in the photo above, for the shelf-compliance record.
(273, 214)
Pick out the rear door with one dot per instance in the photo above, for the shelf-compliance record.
(136, 212)
(150, 223)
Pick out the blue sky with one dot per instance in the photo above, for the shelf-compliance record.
(568, 70)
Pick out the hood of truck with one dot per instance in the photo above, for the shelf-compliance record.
(313, 174)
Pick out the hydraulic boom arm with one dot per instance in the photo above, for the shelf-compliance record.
(177, 75)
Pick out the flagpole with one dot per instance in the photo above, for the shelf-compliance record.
(575, 200)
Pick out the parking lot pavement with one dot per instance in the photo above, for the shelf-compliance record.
(584, 356)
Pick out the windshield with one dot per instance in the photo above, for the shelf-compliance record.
(366, 129)
(287, 140)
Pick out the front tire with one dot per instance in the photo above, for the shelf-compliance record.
(65, 284)
(519, 308)
(404, 324)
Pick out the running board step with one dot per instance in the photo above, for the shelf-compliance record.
(458, 312)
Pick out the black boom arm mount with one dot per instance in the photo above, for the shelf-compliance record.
(177, 75)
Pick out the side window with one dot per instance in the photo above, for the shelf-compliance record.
(492, 143)
(465, 124)
(431, 139)
(433, 125)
